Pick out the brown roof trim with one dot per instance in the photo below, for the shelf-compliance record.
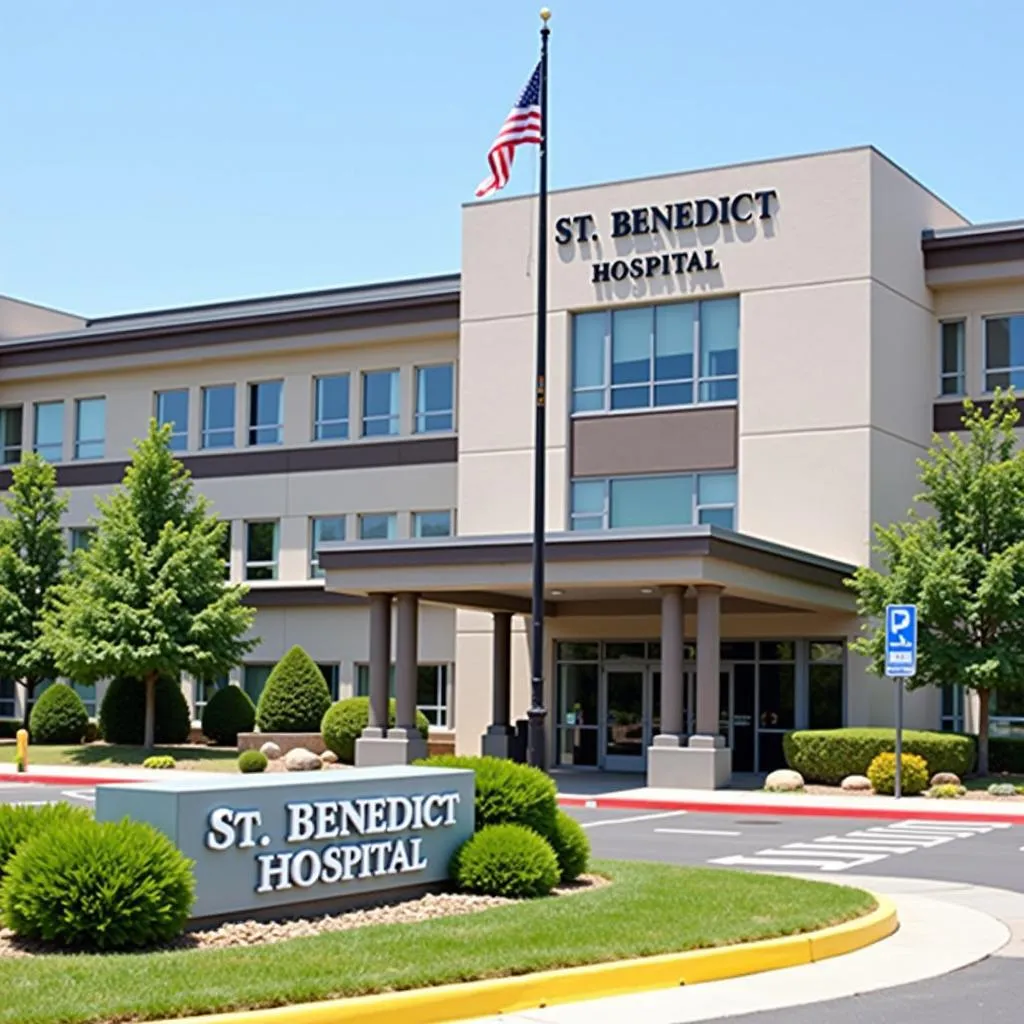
(314, 458)
(948, 416)
(136, 340)
(297, 596)
(970, 249)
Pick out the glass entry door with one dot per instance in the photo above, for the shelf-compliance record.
(626, 714)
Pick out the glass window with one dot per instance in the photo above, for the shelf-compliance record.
(951, 370)
(254, 678)
(49, 430)
(225, 551)
(90, 427)
(432, 690)
(330, 415)
(204, 690)
(716, 500)
(219, 416)
(87, 693)
(261, 550)
(649, 356)
(7, 694)
(332, 676)
(266, 412)
(172, 408)
(81, 537)
(651, 501)
(1004, 352)
(953, 709)
(826, 696)
(588, 505)
(326, 528)
(10, 435)
(432, 524)
(380, 403)
(435, 398)
(777, 691)
(378, 526)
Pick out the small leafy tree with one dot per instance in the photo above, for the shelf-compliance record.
(33, 561)
(148, 596)
(962, 565)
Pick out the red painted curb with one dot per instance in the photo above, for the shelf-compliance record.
(786, 810)
(31, 778)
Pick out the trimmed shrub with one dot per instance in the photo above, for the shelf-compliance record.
(571, 845)
(296, 696)
(506, 860)
(882, 773)
(1002, 789)
(227, 713)
(20, 822)
(1006, 754)
(123, 712)
(162, 761)
(252, 761)
(59, 716)
(345, 721)
(507, 792)
(92, 732)
(946, 791)
(105, 886)
(829, 755)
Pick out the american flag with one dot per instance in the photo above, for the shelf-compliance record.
(522, 125)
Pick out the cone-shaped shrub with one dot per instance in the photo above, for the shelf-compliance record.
(296, 696)
(123, 712)
(59, 716)
(227, 713)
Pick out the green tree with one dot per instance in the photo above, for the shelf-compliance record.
(148, 596)
(33, 561)
(961, 562)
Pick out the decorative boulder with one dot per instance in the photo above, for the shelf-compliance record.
(301, 760)
(856, 784)
(785, 780)
(270, 750)
(945, 779)
(329, 757)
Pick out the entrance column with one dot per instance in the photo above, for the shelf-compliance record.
(715, 768)
(497, 741)
(405, 733)
(371, 747)
(672, 725)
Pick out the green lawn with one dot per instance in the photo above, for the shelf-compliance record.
(218, 759)
(650, 909)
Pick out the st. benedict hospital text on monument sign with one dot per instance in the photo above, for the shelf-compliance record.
(741, 208)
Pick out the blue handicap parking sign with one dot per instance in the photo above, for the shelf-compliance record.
(900, 639)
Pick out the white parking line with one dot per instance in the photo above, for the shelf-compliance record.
(80, 794)
(697, 832)
(629, 821)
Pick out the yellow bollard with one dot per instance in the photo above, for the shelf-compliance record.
(22, 737)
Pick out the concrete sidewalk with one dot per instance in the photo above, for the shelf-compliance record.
(943, 927)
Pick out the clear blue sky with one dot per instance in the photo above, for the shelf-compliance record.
(166, 152)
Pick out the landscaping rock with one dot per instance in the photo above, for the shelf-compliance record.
(270, 750)
(857, 784)
(945, 779)
(329, 757)
(301, 760)
(784, 781)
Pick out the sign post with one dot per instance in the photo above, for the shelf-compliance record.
(900, 664)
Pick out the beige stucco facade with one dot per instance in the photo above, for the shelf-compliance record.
(842, 269)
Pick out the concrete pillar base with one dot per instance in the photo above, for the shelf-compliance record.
(703, 765)
(498, 741)
(373, 753)
(669, 740)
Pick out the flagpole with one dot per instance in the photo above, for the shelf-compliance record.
(537, 713)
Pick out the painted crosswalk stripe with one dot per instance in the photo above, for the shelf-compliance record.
(629, 821)
(696, 832)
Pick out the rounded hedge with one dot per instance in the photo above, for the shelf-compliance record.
(828, 755)
(58, 716)
(105, 886)
(123, 712)
(160, 761)
(571, 844)
(252, 761)
(345, 721)
(946, 791)
(227, 713)
(507, 792)
(20, 822)
(296, 696)
(882, 773)
(506, 860)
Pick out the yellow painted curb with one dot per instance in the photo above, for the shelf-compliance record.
(445, 1003)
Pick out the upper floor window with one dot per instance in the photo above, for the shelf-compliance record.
(219, 416)
(90, 428)
(432, 524)
(378, 526)
(330, 415)
(81, 537)
(261, 550)
(1004, 352)
(322, 529)
(266, 412)
(653, 356)
(435, 398)
(951, 369)
(380, 403)
(645, 501)
(10, 435)
(172, 408)
(49, 430)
